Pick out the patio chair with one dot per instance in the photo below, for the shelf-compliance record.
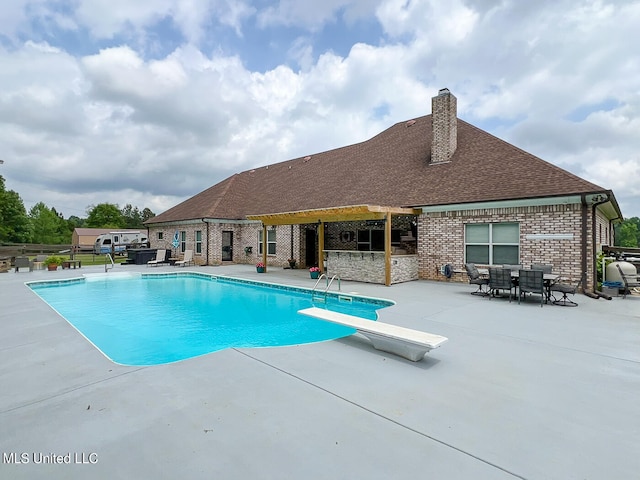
(23, 262)
(187, 260)
(629, 281)
(565, 289)
(531, 281)
(476, 279)
(544, 268)
(500, 279)
(160, 258)
(513, 268)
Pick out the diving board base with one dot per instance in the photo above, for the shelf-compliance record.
(415, 353)
(401, 341)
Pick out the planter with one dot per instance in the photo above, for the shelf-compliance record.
(52, 268)
(260, 269)
(314, 275)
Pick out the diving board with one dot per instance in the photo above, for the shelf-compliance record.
(402, 341)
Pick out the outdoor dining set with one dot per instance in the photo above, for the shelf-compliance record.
(538, 280)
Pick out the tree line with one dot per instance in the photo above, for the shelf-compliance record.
(43, 224)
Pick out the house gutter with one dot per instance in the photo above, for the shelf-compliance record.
(594, 205)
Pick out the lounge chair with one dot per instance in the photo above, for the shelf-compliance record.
(629, 281)
(187, 260)
(500, 279)
(160, 258)
(476, 279)
(531, 281)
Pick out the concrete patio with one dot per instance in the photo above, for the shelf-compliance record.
(519, 391)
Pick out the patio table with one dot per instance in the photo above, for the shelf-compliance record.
(549, 279)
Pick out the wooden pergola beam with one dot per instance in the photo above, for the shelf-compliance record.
(332, 214)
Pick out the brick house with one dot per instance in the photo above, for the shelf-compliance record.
(427, 192)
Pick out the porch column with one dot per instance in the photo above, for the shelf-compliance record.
(321, 247)
(387, 250)
(264, 246)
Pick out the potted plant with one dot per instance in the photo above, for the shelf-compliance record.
(314, 272)
(292, 263)
(53, 261)
(260, 267)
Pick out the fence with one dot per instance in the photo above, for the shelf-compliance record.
(18, 249)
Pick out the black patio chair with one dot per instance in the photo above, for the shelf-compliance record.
(629, 280)
(531, 281)
(544, 268)
(565, 289)
(513, 268)
(476, 279)
(500, 279)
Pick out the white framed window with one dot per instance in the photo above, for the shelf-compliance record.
(492, 243)
(198, 241)
(183, 241)
(271, 242)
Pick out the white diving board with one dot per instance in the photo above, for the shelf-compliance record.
(405, 342)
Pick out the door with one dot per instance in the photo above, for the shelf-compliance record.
(311, 248)
(227, 246)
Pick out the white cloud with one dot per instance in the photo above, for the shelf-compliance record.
(119, 126)
(310, 14)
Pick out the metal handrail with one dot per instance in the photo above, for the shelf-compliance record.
(330, 282)
(106, 265)
(317, 282)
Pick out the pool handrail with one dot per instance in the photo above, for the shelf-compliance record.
(106, 265)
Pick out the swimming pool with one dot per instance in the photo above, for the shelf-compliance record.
(150, 319)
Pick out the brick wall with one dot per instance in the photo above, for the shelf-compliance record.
(244, 235)
(441, 238)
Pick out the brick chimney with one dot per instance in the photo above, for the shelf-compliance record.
(444, 126)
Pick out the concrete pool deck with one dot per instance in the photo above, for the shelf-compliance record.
(519, 391)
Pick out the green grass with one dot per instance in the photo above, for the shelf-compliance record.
(88, 259)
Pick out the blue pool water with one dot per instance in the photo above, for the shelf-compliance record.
(156, 319)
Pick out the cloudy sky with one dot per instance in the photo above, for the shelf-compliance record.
(149, 102)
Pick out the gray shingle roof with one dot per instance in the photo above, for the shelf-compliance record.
(390, 169)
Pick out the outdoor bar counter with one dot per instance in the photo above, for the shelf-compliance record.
(366, 266)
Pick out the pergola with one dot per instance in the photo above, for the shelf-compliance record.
(320, 216)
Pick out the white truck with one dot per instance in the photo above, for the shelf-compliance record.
(118, 242)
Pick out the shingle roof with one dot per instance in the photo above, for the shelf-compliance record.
(389, 169)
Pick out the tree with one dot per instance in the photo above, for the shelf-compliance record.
(47, 226)
(628, 233)
(132, 216)
(147, 214)
(105, 215)
(14, 223)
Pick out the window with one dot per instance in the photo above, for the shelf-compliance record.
(183, 241)
(160, 235)
(271, 242)
(492, 243)
(198, 241)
